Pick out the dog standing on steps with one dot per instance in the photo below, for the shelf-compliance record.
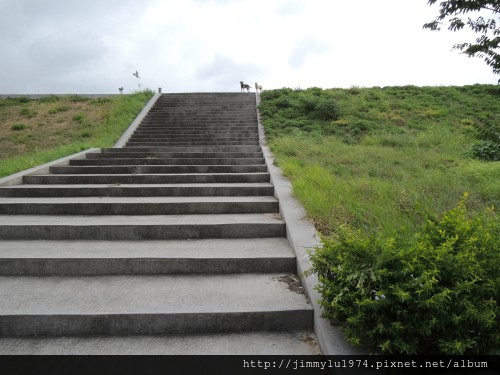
(258, 88)
(244, 86)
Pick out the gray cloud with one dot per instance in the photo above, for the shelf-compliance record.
(59, 54)
(58, 44)
(78, 46)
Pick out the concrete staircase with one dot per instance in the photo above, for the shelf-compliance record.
(172, 244)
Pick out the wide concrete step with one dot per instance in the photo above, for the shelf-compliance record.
(166, 131)
(157, 161)
(170, 128)
(139, 190)
(137, 205)
(186, 143)
(173, 143)
(190, 125)
(195, 122)
(187, 134)
(212, 256)
(153, 169)
(193, 149)
(147, 178)
(160, 304)
(245, 343)
(218, 106)
(174, 155)
(214, 116)
(190, 137)
(214, 139)
(156, 227)
(203, 112)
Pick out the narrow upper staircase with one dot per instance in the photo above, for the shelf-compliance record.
(172, 244)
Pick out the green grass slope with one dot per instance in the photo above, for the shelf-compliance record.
(33, 132)
(382, 159)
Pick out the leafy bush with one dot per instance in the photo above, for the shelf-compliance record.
(486, 150)
(489, 134)
(436, 295)
(79, 117)
(26, 112)
(86, 134)
(17, 127)
(53, 111)
(327, 109)
(49, 99)
(101, 101)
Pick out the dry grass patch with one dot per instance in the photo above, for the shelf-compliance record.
(42, 125)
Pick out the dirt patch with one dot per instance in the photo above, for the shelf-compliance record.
(293, 283)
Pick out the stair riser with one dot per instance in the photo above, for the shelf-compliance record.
(161, 323)
(187, 144)
(237, 116)
(197, 139)
(154, 169)
(222, 136)
(144, 266)
(196, 132)
(166, 162)
(199, 121)
(198, 208)
(193, 149)
(145, 179)
(198, 128)
(199, 125)
(141, 232)
(172, 155)
(118, 191)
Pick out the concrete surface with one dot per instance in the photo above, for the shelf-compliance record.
(249, 343)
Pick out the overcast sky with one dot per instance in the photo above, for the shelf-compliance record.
(94, 46)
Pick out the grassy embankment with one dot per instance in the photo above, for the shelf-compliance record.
(388, 158)
(33, 132)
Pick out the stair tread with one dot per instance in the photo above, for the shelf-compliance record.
(254, 343)
(135, 200)
(138, 186)
(196, 249)
(139, 220)
(159, 294)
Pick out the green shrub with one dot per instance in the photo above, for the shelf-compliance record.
(53, 111)
(26, 112)
(101, 101)
(17, 127)
(489, 131)
(49, 99)
(327, 109)
(486, 150)
(436, 295)
(79, 117)
(86, 134)
(489, 135)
